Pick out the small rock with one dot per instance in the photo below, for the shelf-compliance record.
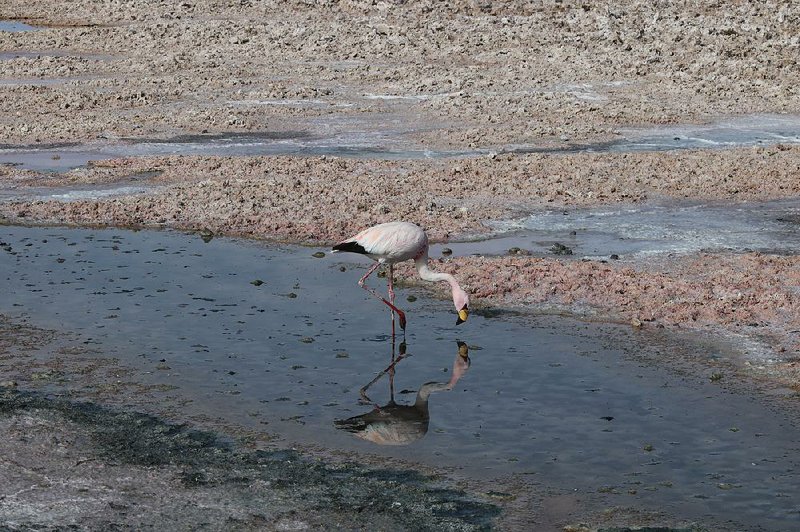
(8, 384)
(257, 282)
(291, 295)
(518, 251)
(342, 354)
(342, 269)
(411, 299)
(614, 256)
(716, 377)
(447, 251)
(635, 322)
(206, 234)
(560, 249)
(318, 255)
(648, 448)
(307, 340)
(163, 366)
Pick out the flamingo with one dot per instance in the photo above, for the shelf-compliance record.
(394, 242)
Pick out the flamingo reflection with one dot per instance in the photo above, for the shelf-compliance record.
(395, 424)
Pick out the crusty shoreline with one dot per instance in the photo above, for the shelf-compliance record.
(322, 199)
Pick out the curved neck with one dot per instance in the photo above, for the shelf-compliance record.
(429, 275)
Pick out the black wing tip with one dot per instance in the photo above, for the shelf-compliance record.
(352, 247)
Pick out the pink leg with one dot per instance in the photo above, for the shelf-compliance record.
(361, 282)
(391, 297)
(391, 284)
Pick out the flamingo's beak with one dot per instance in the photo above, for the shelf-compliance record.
(463, 314)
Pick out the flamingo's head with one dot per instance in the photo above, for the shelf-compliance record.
(461, 301)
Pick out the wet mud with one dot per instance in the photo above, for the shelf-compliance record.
(68, 464)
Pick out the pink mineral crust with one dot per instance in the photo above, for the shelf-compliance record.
(751, 293)
(318, 199)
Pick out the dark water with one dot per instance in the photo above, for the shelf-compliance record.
(578, 406)
(360, 141)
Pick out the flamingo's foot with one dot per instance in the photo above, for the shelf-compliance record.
(402, 317)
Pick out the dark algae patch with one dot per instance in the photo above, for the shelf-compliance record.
(178, 476)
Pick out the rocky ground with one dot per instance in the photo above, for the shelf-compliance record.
(461, 75)
(485, 73)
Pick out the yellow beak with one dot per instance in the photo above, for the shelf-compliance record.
(463, 314)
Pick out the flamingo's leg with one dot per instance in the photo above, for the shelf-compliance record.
(391, 299)
(391, 283)
(361, 283)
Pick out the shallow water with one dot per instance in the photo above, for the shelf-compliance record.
(656, 227)
(359, 141)
(13, 26)
(347, 144)
(737, 132)
(568, 404)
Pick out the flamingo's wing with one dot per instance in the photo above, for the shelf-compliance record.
(389, 242)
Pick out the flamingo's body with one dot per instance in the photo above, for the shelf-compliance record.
(395, 242)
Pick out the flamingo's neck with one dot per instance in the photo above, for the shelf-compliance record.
(429, 275)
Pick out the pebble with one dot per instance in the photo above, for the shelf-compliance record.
(560, 249)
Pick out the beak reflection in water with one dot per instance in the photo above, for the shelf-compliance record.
(395, 424)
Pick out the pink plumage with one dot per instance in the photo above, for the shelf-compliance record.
(394, 242)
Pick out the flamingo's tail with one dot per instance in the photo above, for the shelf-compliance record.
(350, 246)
